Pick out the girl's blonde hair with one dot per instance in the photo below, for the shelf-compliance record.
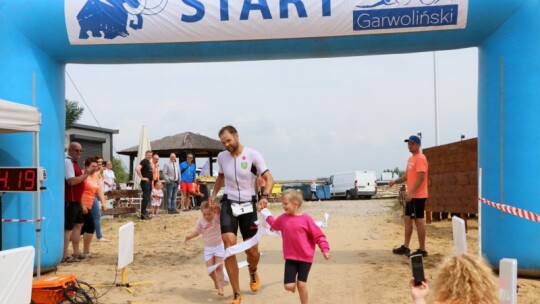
(293, 195)
(466, 279)
(205, 205)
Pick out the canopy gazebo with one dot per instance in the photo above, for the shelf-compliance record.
(181, 144)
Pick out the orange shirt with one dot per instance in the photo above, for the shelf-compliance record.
(417, 163)
(92, 184)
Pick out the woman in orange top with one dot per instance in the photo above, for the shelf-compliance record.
(92, 187)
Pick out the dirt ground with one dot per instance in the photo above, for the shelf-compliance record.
(362, 269)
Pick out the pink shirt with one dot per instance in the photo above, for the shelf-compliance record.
(211, 231)
(299, 234)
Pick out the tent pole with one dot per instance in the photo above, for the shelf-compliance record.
(38, 203)
(38, 192)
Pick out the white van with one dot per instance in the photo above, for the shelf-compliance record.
(353, 184)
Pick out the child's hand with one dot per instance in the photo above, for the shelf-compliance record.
(187, 239)
(326, 255)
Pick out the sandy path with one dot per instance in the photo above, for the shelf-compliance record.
(362, 268)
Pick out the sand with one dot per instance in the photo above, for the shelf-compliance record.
(362, 269)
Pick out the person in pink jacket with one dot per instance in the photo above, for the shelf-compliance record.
(300, 234)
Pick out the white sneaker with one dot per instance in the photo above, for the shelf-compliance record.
(103, 240)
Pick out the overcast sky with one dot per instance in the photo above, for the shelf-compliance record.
(309, 118)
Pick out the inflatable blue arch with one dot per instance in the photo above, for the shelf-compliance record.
(41, 37)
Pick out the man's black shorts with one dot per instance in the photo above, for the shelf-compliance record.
(230, 223)
(415, 208)
(72, 215)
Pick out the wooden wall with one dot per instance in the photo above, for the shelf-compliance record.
(452, 177)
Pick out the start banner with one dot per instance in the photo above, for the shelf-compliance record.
(169, 21)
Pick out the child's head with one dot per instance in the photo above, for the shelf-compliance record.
(291, 200)
(207, 212)
(158, 184)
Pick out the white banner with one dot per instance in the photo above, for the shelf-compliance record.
(165, 21)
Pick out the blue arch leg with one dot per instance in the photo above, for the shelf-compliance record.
(508, 139)
(18, 61)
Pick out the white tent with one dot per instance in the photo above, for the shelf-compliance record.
(14, 118)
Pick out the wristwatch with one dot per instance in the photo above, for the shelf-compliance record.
(264, 194)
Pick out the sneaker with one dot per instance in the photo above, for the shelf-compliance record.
(254, 282)
(419, 251)
(86, 255)
(237, 299)
(102, 240)
(402, 250)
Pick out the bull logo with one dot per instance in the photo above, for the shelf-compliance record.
(109, 18)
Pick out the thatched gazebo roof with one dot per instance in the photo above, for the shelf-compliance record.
(181, 144)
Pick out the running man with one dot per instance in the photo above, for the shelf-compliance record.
(238, 170)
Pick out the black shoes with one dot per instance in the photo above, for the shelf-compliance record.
(407, 252)
(419, 251)
(402, 250)
(172, 212)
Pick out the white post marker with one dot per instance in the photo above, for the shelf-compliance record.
(460, 238)
(508, 281)
(17, 266)
(126, 235)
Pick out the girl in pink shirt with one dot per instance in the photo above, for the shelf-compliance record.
(209, 226)
(300, 234)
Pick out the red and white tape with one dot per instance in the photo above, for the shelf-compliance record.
(22, 220)
(531, 216)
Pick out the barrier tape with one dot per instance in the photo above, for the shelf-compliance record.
(262, 228)
(23, 220)
(531, 216)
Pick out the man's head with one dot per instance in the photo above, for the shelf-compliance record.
(108, 165)
(189, 158)
(172, 157)
(229, 138)
(75, 150)
(148, 155)
(413, 143)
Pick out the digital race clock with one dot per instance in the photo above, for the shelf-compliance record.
(18, 179)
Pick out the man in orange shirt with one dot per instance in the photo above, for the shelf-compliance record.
(416, 176)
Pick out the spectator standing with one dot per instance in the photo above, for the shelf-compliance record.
(187, 170)
(313, 188)
(92, 187)
(155, 169)
(109, 179)
(238, 169)
(145, 173)
(416, 176)
(157, 196)
(171, 174)
(463, 279)
(73, 191)
(96, 206)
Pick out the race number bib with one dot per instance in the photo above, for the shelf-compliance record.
(241, 208)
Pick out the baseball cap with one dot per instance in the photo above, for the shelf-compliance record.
(414, 138)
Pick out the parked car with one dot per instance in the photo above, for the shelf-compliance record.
(353, 184)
